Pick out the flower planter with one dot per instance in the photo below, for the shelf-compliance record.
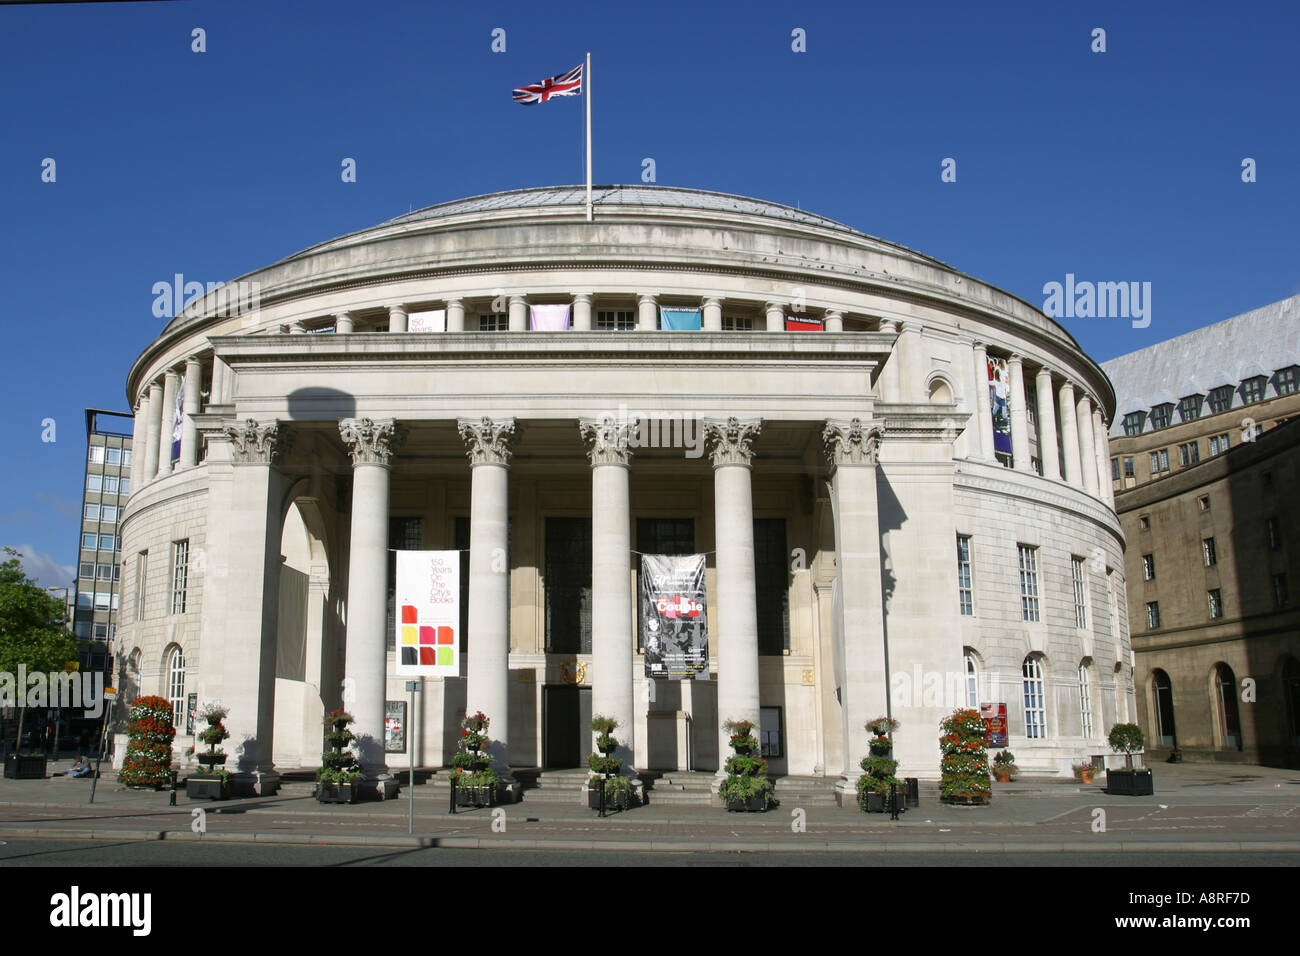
(756, 804)
(475, 796)
(1086, 778)
(1001, 777)
(875, 802)
(212, 760)
(337, 792)
(25, 766)
(1130, 783)
(966, 800)
(207, 787)
(613, 801)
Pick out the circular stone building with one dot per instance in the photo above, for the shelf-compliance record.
(884, 530)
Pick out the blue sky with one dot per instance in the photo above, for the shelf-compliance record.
(1115, 166)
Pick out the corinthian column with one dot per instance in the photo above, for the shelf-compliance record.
(189, 433)
(166, 423)
(852, 448)
(1087, 445)
(1047, 425)
(371, 444)
(731, 446)
(1070, 435)
(611, 587)
(488, 442)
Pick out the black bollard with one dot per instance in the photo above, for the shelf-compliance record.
(893, 801)
(453, 794)
(602, 796)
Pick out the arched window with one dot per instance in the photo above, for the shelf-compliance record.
(1225, 690)
(175, 671)
(972, 681)
(1164, 702)
(1035, 708)
(1085, 700)
(940, 391)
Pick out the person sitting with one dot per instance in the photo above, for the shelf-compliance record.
(81, 769)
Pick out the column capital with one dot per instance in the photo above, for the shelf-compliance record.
(371, 442)
(488, 440)
(456, 300)
(607, 439)
(257, 443)
(582, 296)
(889, 325)
(833, 313)
(1043, 370)
(191, 361)
(519, 298)
(713, 300)
(644, 298)
(771, 305)
(854, 442)
(1015, 358)
(979, 345)
(731, 441)
(1067, 384)
(911, 325)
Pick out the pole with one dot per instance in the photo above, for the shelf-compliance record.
(103, 736)
(413, 687)
(586, 79)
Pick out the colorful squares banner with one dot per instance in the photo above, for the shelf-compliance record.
(428, 594)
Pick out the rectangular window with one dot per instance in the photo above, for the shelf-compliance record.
(568, 585)
(89, 541)
(87, 569)
(1287, 380)
(1162, 415)
(1153, 614)
(1080, 592)
(104, 572)
(1216, 603)
(97, 454)
(1190, 453)
(1148, 567)
(100, 632)
(735, 323)
(107, 542)
(124, 486)
(91, 512)
(1159, 461)
(1128, 467)
(103, 599)
(141, 565)
(126, 457)
(1028, 583)
(1220, 444)
(772, 586)
(615, 321)
(180, 574)
(1144, 523)
(1279, 590)
(965, 590)
(1189, 407)
(662, 536)
(769, 725)
(1220, 399)
(1252, 389)
(1133, 422)
(1274, 534)
(1114, 469)
(94, 483)
(113, 456)
(117, 572)
(494, 322)
(1203, 503)
(108, 514)
(1208, 552)
(110, 484)
(1085, 701)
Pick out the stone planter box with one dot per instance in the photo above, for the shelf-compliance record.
(25, 766)
(337, 792)
(1130, 783)
(748, 805)
(207, 787)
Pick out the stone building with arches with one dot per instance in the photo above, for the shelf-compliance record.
(689, 372)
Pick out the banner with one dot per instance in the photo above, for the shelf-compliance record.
(995, 724)
(177, 418)
(801, 324)
(999, 389)
(673, 619)
(394, 726)
(428, 622)
(548, 318)
(681, 320)
(435, 320)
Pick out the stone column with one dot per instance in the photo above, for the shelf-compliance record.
(371, 444)
(455, 315)
(246, 654)
(397, 319)
(137, 442)
(712, 314)
(343, 323)
(911, 376)
(647, 313)
(611, 579)
(189, 433)
(1070, 435)
(297, 328)
(1087, 444)
(171, 382)
(1101, 454)
(1019, 423)
(1047, 425)
(775, 316)
(731, 447)
(153, 420)
(890, 375)
(221, 381)
(852, 448)
(834, 321)
(983, 403)
(518, 317)
(582, 311)
(488, 686)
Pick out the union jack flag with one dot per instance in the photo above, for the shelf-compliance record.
(566, 84)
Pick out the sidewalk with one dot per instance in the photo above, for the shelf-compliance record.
(1195, 807)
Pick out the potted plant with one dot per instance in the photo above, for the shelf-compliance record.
(606, 771)
(147, 765)
(965, 763)
(1004, 766)
(1084, 772)
(339, 778)
(747, 786)
(213, 781)
(475, 781)
(878, 784)
(1127, 739)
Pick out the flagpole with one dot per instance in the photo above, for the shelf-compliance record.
(587, 82)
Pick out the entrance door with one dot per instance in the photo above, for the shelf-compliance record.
(566, 715)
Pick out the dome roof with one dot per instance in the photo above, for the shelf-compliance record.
(648, 196)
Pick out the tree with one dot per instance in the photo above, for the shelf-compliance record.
(32, 628)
